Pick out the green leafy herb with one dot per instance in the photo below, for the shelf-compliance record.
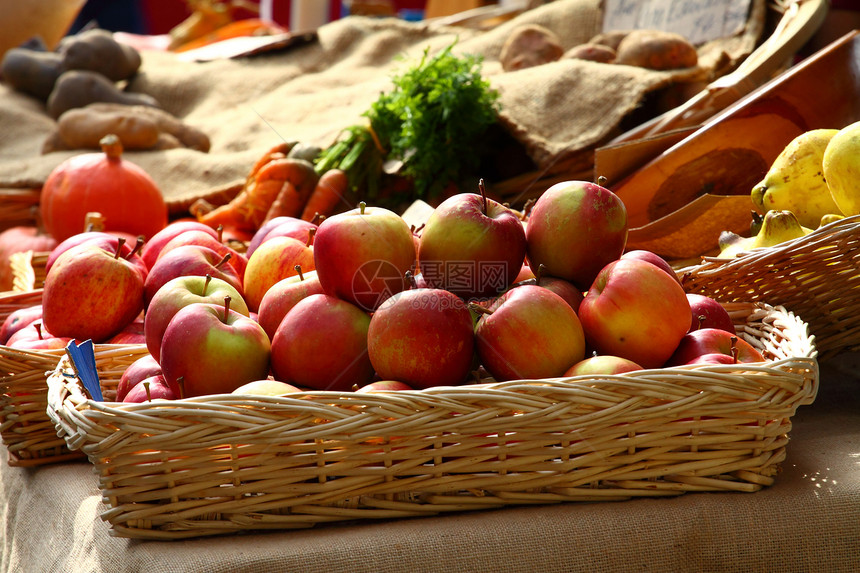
(431, 123)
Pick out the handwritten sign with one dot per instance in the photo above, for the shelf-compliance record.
(697, 20)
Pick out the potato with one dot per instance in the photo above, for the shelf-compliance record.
(31, 71)
(97, 51)
(610, 39)
(530, 45)
(81, 128)
(656, 50)
(78, 88)
(591, 52)
(184, 134)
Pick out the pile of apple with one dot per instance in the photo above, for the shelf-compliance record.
(362, 301)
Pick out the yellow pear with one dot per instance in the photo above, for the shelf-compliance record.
(795, 181)
(842, 169)
(776, 227)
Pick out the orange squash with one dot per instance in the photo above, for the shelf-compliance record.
(120, 190)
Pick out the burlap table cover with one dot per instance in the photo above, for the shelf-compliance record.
(310, 93)
(809, 520)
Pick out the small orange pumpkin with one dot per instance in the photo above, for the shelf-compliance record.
(120, 190)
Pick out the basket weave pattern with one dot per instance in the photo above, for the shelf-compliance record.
(816, 276)
(220, 464)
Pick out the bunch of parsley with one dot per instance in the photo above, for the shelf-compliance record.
(429, 127)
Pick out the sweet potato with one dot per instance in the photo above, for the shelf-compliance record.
(530, 45)
(187, 135)
(81, 128)
(656, 50)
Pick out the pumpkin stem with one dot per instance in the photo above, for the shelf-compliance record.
(112, 146)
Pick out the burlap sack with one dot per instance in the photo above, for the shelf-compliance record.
(311, 92)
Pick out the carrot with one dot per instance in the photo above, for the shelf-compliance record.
(250, 208)
(329, 191)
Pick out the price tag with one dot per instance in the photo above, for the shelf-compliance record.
(698, 21)
(83, 360)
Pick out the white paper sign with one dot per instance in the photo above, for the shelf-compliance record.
(697, 20)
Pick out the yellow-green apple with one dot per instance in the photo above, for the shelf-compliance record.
(280, 227)
(212, 349)
(384, 386)
(190, 260)
(575, 229)
(153, 246)
(362, 255)
(602, 364)
(266, 387)
(237, 260)
(180, 292)
(423, 337)
(635, 310)
(91, 293)
(322, 344)
(18, 319)
(155, 387)
(472, 246)
(275, 259)
(283, 295)
(528, 332)
(653, 258)
(132, 333)
(137, 371)
(713, 341)
(708, 313)
(129, 247)
(35, 337)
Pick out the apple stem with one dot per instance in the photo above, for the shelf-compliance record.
(410, 278)
(483, 191)
(361, 207)
(418, 229)
(180, 382)
(223, 260)
(38, 327)
(311, 233)
(219, 230)
(146, 389)
(601, 180)
(734, 340)
(227, 300)
(355, 387)
(317, 218)
(298, 269)
(137, 247)
(119, 243)
(527, 208)
(479, 309)
(539, 273)
(206, 283)
(701, 318)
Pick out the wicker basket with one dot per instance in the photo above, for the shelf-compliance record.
(225, 463)
(17, 207)
(27, 431)
(816, 276)
(10, 301)
(28, 269)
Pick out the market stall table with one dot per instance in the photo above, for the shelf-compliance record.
(808, 521)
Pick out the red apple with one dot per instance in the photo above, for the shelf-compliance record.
(322, 344)
(136, 372)
(153, 388)
(18, 319)
(713, 358)
(712, 341)
(267, 388)
(602, 364)
(280, 227)
(131, 334)
(384, 386)
(636, 311)
(275, 259)
(575, 229)
(213, 349)
(156, 243)
(35, 337)
(18, 240)
(190, 260)
(472, 246)
(525, 274)
(422, 337)
(708, 313)
(203, 238)
(91, 293)
(528, 332)
(654, 259)
(129, 248)
(179, 293)
(565, 289)
(362, 255)
(282, 296)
